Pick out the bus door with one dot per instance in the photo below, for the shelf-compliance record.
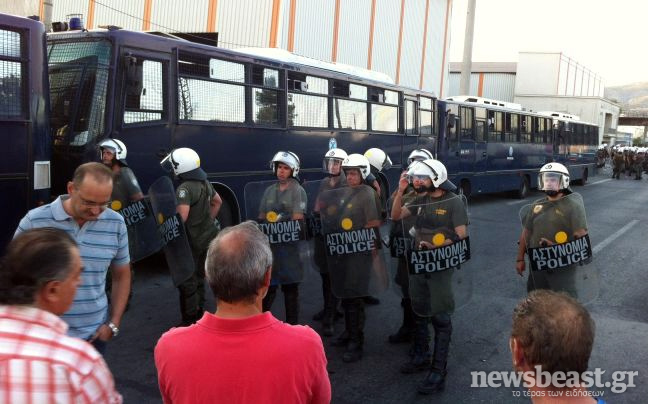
(450, 155)
(24, 108)
(426, 120)
(410, 141)
(481, 137)
(143, 120)
(467, 139)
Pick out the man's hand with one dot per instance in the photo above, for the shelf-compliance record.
(520, 266)
(103, 333)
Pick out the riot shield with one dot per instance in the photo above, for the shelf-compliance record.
(280, 212)
(558, 247)
(437, 253)
(143, 236)
(314, 190)
(398, 244)
(351, 225)
(171, 230)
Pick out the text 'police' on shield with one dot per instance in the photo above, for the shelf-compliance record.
(438, 259)
(288, 231)
(353, 241)
(561, 255)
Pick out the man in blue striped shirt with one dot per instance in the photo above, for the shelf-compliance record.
(103, 242)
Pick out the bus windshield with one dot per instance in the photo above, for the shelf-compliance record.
(78, 74)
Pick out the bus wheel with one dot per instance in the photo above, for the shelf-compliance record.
(523, 190)
(226, 214)
(583, 179)
(464, 186)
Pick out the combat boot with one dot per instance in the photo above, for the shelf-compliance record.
(406, 330)
(435, 379)
(269, 298)
(355, 313)
(420, 358)
(291, 301)
(330, 311)
(345, 337)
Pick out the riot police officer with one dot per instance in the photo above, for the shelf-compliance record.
(638, 163)
(126, 190)
(406, 330)
(555, 219)
(350, 274)
(419, 155)
(198, 206)
(618, 162)
(332, 166)
(435, 207)
(284, 200)
(378, 161)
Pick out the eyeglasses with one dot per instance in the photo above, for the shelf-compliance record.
(92, 204)
(418, 177)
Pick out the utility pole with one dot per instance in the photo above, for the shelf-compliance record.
(466, 66)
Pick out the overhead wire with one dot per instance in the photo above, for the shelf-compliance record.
(170, 30)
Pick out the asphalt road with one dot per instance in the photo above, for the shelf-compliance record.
(616, 212)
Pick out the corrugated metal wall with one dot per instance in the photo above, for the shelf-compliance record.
(434, 49)
(314, 28)
(179, 16)
(249, 23)
(455, 79)
(130, 18)
(244, 23)
(61, 9)
(412, 45)
(497, 86)
(386, 28)
(353, 37)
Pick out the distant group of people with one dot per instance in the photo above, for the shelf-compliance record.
(225, 356)
(628, 160)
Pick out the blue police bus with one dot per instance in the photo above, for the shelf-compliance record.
(236, 109)
(24, 121)
(493, 146)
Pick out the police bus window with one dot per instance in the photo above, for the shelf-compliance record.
(265, 101)
(145, 92)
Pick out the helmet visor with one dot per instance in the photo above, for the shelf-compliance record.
(332, 165)
(550, 181)
(419, 177)
(167, 164)
(387, 164)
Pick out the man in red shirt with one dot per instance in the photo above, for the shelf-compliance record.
(39, 276)
(240, 354)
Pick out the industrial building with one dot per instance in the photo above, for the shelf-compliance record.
(542, 81)
(407, 40)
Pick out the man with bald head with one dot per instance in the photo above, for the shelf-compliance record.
(241, 354)
(103, 241)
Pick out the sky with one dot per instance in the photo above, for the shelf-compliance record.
(607, 37)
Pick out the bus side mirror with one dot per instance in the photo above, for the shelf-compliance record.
(134, 78)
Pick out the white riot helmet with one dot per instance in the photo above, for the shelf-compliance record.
(418, 155)
(288, 158)
(553, 171)
(378, 159)
(333, 155)
(434, 170)
(181, 161)
(358, 161)
(117, 147)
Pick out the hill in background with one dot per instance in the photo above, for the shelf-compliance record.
(631, 96)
